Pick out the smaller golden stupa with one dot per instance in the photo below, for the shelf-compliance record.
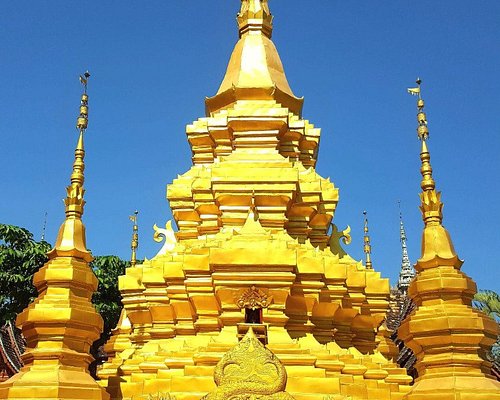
(61, 324)
(449, 338)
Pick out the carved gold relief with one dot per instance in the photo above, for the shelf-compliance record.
(254, 298)
(249, 371)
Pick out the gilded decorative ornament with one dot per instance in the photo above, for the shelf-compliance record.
(254, 298)
(249, 372)
(166, 234)
(336, 236)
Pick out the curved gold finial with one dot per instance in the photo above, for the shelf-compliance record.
(134, 244)
(367, 246)
(431, 205)
(255, 16)
(166, 233)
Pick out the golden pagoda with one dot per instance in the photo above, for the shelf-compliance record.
(253, 260)
(61, 324)
(450, 339)
(253, 297)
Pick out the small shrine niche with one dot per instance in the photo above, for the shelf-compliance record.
(253, 316)
(253, 301)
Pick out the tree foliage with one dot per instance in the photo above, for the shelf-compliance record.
(488, 302)
(20, 257)
(107, 299)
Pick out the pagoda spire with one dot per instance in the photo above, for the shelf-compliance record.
(255, 70)
(71, 238)
(455, 366)
(367, 248)
(134, 244)
(255, 16)
(407, 273)
(61, 324)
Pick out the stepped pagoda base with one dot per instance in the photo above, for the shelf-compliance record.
(455, 388)
(184, 367)
(52, 382)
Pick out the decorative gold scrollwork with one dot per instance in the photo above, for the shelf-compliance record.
(254, 298)
(335, 238)
(168, 234)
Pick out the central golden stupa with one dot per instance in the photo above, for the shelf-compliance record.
(253, 258)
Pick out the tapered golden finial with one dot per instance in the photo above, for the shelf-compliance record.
(431, 205)
(255, 16)
(367, 248)
(135, 239)
(71, 238)
(74, 200)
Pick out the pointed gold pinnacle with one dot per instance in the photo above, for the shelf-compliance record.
(431, 205)
(255, 16)
(367, 248)
(135, 239)
(74, 199)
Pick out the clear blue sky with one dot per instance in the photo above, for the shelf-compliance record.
(153, 62)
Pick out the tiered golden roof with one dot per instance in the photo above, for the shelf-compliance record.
(255, 71)
(254, 220)
(449, 338)
(61, 324)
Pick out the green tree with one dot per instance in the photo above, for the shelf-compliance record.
(20, 257)
(107, 298)
(488, 302)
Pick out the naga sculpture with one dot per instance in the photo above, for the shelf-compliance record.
(249, 372)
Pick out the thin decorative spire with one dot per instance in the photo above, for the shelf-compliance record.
(431, 205)
(135, 239)
(255, 16)
(44, 227)
(74, 200)
(367, 246)
(71, 237)
(407, 273)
